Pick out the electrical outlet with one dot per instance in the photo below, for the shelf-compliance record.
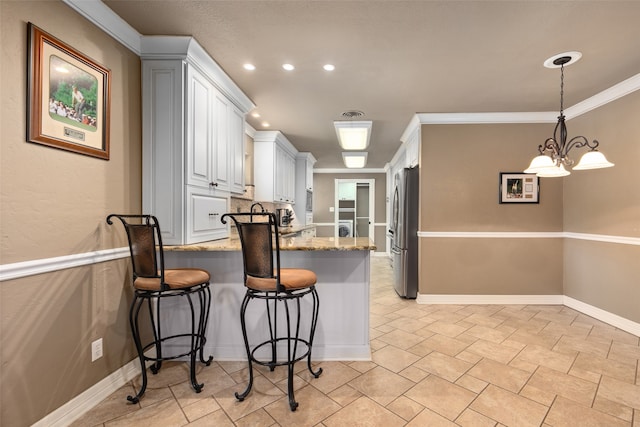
(96, 349)
(331, 209)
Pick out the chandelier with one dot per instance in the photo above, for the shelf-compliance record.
(554, 153)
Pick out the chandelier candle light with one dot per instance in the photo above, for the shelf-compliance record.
(554, 153)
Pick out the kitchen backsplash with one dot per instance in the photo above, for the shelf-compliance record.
(244, 205)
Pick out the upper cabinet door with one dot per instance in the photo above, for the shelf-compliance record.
(199, 130)
(237, 150)
(221, 143)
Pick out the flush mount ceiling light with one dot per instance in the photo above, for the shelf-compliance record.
(554, 153)
(354, 159)
(353, 135)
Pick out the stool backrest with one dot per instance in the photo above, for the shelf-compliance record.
(145, 244)
(260, 246)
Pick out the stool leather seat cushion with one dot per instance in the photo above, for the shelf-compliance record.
(290, 278)
(178, 278)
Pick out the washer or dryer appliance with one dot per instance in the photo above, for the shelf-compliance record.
(345, 228)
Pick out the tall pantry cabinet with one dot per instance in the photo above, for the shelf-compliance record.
(193, 139)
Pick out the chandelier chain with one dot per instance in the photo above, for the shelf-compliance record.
(561, 89)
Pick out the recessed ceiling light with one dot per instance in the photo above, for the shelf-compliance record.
(288, 67)
(353, 135)
(355, 160)
(255, 114)
(329, 67)
(249, 67)
(265, 124)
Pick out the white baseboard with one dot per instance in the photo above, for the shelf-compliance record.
(87, 400)
(489, 299)
(604, 316)
(584, 308)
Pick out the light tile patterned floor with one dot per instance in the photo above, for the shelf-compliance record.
(432, 365)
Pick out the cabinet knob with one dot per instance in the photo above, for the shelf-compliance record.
(213, 184)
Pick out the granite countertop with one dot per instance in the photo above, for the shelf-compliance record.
(286, 244)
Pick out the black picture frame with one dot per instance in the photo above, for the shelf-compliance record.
(517, 187)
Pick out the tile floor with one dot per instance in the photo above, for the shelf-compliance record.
(432, 365)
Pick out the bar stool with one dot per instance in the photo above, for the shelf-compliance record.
(153, 284)
(265, 280)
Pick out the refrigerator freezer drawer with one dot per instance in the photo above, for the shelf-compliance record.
(399, 257)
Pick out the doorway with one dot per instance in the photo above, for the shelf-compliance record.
(354, 213)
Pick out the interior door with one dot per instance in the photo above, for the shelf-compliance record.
(355, 207)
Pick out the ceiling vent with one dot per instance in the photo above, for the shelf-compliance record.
(352, 114)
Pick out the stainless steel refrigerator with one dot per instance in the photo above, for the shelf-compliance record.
(404, 232)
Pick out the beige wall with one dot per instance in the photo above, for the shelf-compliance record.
(324, 197)
(461, 195)
(459, 178)
(606, 201)
(54, 203)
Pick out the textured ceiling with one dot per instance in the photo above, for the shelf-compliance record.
(397, 58)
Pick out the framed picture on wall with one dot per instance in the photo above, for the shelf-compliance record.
(68, 98)
(519, 188)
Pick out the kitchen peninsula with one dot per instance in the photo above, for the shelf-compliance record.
(342, 266)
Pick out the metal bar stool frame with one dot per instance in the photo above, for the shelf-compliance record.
(147, 259)
(267, 269)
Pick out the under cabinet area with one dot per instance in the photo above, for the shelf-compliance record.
(274, 167)
(193, 140)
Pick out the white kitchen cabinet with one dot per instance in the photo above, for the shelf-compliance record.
(193, 139)
(203, 213)
(347, 191)
(413, 149)
(274, 167)
(304, 188)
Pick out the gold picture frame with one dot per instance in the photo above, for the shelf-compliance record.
(69, 97)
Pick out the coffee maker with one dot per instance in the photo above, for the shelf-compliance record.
(284, 216)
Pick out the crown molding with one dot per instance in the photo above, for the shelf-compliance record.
(187, 48)
(108, 21)
(249, 130)
(606, 96)
(486, 118)
(161, 47)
